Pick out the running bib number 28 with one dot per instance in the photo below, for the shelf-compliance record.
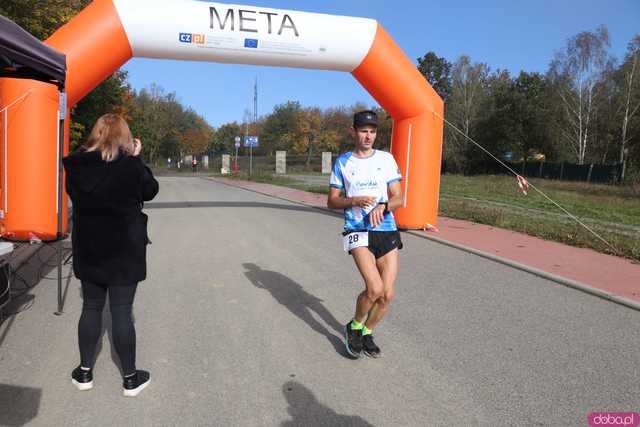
(355, 240)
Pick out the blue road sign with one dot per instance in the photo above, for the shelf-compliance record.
(251, 141)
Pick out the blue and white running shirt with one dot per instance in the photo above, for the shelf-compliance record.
(368, 176)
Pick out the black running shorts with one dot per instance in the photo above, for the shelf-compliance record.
(383, 242)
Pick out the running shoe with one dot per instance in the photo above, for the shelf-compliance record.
(353, 340)
(370, 348)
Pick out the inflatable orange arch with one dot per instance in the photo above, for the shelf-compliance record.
(107, 33)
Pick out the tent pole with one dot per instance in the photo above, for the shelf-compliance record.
(61, 118)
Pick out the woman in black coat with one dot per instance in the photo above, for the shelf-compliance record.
(108, 183)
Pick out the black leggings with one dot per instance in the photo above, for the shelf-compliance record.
(123, 331)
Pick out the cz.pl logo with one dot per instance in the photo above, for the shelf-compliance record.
(191, 38)
(626, 419)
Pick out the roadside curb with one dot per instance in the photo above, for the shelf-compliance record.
(629, 303)
(535, 271)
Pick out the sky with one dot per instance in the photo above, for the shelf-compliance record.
(515, 35)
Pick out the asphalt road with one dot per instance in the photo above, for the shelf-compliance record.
(240, 318)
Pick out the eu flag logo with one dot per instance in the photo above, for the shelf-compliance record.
(252, 43)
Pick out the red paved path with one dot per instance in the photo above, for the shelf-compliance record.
(619, 276)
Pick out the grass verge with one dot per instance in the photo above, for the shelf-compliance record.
(613, 212)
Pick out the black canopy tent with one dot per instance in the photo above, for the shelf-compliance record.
(24, 56)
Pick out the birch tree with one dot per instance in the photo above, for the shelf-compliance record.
(468, 93)
(575, 73)
(630, 94)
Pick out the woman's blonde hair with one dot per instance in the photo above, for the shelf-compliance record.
(109, 135)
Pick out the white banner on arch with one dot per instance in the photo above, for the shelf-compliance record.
(207, 31)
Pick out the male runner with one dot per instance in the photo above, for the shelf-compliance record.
(370, 180)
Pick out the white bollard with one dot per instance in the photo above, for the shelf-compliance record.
(226, 164)
(205, 161)
(326, 162)
(281, 162)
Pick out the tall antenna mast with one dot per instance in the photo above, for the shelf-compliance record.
(255, 102)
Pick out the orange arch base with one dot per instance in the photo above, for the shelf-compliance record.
(29, 148)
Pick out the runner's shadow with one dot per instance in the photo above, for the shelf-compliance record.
(306, 410)
(298, 301)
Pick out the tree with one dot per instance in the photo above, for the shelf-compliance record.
(309, 127)
(41, 17)
(574, 73)
(224, 137)
(468, 93)
(311, 131)
(335, 124)
(158, 120)
(605, 130)
(497, 127)
(437, 71)
(522, 115)
(196, 138)
(629, 94)
(278, 124)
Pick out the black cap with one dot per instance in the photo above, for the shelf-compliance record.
(364, 118)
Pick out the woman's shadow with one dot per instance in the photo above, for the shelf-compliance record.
(299, 302)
